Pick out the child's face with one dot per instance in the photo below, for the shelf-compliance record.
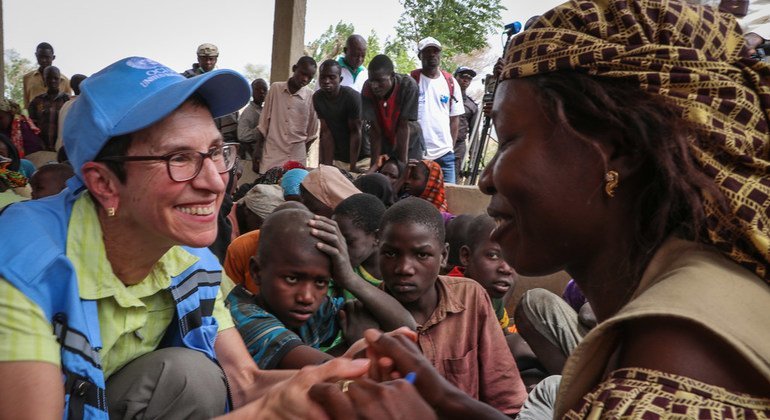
(293, 281)
(485, 264)
(361, 245)
(410, 260)
(52, 81)
(416, 180)
(46, 184)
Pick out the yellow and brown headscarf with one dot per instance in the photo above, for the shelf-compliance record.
(694, 57)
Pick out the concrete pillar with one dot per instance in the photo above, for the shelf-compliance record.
(288, 37)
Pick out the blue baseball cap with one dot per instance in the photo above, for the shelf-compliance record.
(134, 93)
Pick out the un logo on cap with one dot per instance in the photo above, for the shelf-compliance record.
(142, 63)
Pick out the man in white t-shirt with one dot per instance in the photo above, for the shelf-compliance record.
(440, 107)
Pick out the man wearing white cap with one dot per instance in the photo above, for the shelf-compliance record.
(440, 107)
(208, 54)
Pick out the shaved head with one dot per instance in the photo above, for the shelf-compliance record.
(355, 40)
(282, 229)
(291, 205)
(355, 50)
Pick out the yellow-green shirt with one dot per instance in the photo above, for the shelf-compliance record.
(132, 319)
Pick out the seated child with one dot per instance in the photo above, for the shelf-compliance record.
(358, 218)
(483, 261)
(242, 248)
(425, 180)
(456, 230)
(458, 330)
(291, 317)
(50, 179)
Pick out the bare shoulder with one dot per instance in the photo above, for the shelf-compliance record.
(684, 348)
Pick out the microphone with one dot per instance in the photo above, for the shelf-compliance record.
(512, 28)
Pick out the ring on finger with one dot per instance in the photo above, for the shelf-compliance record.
(344, 384)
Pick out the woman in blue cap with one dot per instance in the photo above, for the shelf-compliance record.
(117, 265)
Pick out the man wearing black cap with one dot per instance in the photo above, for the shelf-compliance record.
(464, 76)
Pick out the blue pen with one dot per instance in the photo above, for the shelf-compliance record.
(410, 377)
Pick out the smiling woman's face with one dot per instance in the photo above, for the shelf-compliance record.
(546, 187)
(176, 213)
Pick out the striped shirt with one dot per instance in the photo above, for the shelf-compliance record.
(132, 319)
(268, 339)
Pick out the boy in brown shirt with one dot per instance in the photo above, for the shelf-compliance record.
(457, 327)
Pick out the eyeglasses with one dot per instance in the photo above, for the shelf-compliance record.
(186, 165)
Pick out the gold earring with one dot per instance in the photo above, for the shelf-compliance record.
(111, 211)
(611, 179)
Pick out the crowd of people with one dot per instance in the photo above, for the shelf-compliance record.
(142, 278)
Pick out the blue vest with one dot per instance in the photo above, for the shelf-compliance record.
(37, 265)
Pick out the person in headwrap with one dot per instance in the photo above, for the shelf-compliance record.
(324, 188)
(425, 180)
(377, 185)
(290, 183)
(20, 129)
(635, 154)
(257, 204)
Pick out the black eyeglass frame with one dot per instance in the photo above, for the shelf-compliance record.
(168, 156)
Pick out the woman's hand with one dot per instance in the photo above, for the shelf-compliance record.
(289, 399)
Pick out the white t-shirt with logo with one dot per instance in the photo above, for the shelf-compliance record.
(434, 113)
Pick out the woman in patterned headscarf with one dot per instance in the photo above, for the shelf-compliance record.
(635, 155)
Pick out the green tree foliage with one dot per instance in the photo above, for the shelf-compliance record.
(461, 26)
(331, 42)
(15, 68)
(256, 71)
(373, 47)
(403, 60)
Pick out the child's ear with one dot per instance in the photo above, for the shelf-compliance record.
(377, 238)
(254, 270)
(445, 255)
(465, 255)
